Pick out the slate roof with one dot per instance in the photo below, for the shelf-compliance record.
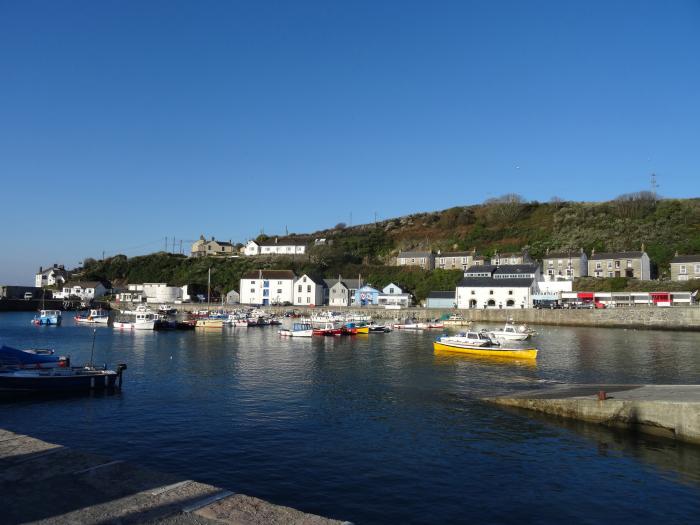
(269, 274)
(84, 284)
(573, 254)
(315, 280)
(488, 282)
(615, 255)
(481, 268)
(515, 268)
(455, 254)
(409, 255)
(276, 241)
(442, 294)
(350, 284)
(685, 259)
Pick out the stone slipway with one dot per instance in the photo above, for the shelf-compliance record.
(45, 483)
(666, 410)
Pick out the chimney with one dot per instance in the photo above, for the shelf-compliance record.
(212, 237)
(41, 269)
(276, 239)
(643, 247)
(55, 265)
(592, 252)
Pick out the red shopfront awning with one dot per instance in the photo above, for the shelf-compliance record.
(586, 296)
(660, 297)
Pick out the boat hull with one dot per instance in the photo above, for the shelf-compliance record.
(296, 333)
(210, 323)
(57, 383)
(515, 353)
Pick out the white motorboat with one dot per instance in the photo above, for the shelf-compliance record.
(510, 332)
(298, 330)
(456, 320)
(143, 321)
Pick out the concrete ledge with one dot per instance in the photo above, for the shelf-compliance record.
(671, 411)
(45, 483)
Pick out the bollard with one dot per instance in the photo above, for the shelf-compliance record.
(602, 396)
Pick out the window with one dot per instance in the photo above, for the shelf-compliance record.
(308, 300)
(490, 292)
(550, 272)
(682, 269)
(510, 292)
(609, 265)
(617, 264)
(279, 282)
(304, 279)
(697, 268)
(279, 290)
(682, 277)
(610, 274)
(391, 290)
(252, 283)
(473, 292)
(598, 266)
(629, 263)
(266, 293)
(299, 289)
(308, 288)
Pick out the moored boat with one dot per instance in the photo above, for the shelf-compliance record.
(456, 320)
(59, 380)
(475, 347)
(297, 330)
(328, 328)
(95, 316)
(16, 358)
(510, 332)
(48, 317)
(143, 321)
(210, 323)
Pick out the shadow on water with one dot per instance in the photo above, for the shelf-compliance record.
(672, 459)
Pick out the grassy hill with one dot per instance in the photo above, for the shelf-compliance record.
(508, 223)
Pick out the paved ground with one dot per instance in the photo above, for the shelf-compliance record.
(667, 410)
(45, 483)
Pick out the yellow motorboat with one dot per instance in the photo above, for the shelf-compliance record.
(209, 323)
(482, 350)
(362, 329)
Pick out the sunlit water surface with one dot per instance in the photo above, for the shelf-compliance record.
(378, 428)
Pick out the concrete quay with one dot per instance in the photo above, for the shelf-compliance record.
(671, 411)
(45, 483)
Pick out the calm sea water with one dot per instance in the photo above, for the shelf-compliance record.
(375, 429)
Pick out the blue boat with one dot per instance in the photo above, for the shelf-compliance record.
(48, 317)
(60, 380)
(14, 358)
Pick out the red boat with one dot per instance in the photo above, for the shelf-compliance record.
(327, 329)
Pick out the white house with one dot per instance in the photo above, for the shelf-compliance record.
(308, 291)
(85, 290)
(393, 295)
(48, 277)
(507, 286)
(265, 287)
(274, 246)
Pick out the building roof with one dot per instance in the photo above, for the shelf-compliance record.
(315, 280)
(442, 294)
(455, 254)
(409, 255)
(686, 259)
(563, 254)
(615, 255)
(350, 284)
(481, 268)
(276, 241)
(510, 269)
(488, 282)
(84, 284)
(269, 274)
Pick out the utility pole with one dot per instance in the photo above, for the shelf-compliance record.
(180, 246)
(173, 247)
(654, 185)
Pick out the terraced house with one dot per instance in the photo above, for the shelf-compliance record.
(457, 260)
(204, 248)
(568, 264)
(620, 264)
(425, 260)
(685, 267)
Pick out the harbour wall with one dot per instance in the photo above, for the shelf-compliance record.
(650, 317)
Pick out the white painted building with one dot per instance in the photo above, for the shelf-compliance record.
(485, 292)
(266, 287)
(274, 246)
(85, 290)
(162, 293)
(50, 276)
(308, 291)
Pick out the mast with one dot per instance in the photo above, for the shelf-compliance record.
(209, 290)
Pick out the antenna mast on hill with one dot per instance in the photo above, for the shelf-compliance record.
(654, 185)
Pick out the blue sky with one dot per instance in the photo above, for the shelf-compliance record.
(123, 122)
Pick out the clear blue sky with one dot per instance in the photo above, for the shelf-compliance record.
(123, 122)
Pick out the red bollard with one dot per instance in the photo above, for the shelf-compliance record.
(602, 396)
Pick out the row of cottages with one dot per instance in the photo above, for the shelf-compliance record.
(685, 267)
(268, 287)
(620, 264)
(276, 246)
(85, 290)
(52, 276)
(504, 286)
(458, 260)
(209, 248)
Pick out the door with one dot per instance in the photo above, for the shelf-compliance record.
(266, 302)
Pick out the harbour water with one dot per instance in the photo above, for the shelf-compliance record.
(377, 428)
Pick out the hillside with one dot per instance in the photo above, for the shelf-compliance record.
(505, 224)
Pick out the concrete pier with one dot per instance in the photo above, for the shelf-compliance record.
(42, 482)
(672, 411)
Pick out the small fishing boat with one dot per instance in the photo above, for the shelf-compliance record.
(408, 324)
(143, 321)
(297, 330)
(328, 328)
(510, 332)
(456, 320)
(165, 324)
(378, 329)
(58, 380)
(355, 328)
(476, 347)
(210, 323)
(16, 358)
(166, 309)
(48, 317)
(95, 316)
